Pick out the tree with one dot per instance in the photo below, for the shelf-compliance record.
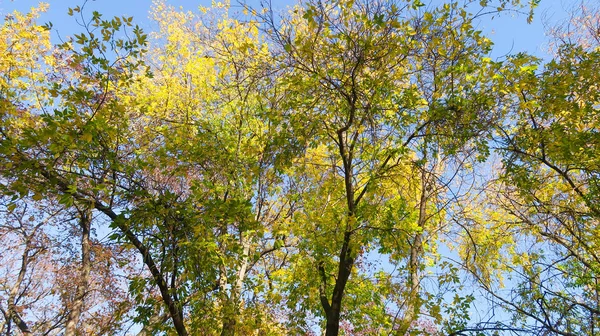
(380, 100)
(548, 188)
(280, 174)
(154, 175)
(26, 264)
(213, 143)
(55, 113)
(46, 288)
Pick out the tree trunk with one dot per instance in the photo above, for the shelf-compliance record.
(229, 323)
(344, 271)
(85, 222)
(233, 304)
(175, 311)
(13, 315)
(23, 327)
(155, 320)
(347, 255)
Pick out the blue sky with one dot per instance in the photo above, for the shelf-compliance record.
(510, 33)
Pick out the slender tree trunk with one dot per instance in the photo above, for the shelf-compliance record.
(233, 303)
(344, 271)
(85, 222)
(228, 318)
(23, 327)
(347, 255)
(416, 250)
(175, 310)
(155, 320)
(228, 323)
(228, 327)
(594, 315)
(13, 314)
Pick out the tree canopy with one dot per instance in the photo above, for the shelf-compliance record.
(346, 167)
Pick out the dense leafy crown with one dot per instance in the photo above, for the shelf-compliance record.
(345, 167)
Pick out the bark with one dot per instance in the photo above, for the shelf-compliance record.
(175, 312)
(12, 313)
(154, 320)
(229, 311)
(233, 302)
(347, 255)
(229, 323)
(74, 316)
(416, 250)
(22, 325)
(54, 180)
(228, 327)
(344, 270)
(323, 290)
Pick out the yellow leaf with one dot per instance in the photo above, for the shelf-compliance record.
(87, 137)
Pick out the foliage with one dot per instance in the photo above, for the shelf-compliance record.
(545, 202)
(312, 171)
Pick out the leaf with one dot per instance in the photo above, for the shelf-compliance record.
(87, 137)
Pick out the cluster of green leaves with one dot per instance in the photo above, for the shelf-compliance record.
(281, 175)
(544, 207)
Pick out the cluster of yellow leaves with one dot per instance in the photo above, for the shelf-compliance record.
(24, 51)
(488, 246)
(197, 67)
